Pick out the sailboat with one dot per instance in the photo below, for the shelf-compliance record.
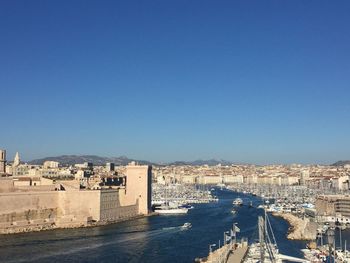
(266, 250)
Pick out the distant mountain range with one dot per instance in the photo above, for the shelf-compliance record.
(122, 160)
(96, 160)
(210, 162)
(341, 163)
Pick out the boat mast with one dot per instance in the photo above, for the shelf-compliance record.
(345, 250)
(262, 238)
(341, 243)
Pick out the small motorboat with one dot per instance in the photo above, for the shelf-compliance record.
(187, 225)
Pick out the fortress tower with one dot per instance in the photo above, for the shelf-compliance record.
(139, 186)
(2, 161)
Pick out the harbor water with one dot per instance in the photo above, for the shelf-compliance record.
(149, 239)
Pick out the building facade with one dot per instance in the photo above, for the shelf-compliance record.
(2, 162)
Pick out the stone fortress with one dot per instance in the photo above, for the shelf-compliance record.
(36, 197)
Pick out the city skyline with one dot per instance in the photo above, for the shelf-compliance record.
(257, 82)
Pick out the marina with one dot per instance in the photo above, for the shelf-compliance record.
(182, 194)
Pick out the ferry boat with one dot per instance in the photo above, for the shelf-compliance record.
(237, 201)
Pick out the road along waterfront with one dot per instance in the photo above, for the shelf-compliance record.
(150, 239)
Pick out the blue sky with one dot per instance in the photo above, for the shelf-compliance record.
(247, 81)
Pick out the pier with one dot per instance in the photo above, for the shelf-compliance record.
(230, 253)
(237, 255)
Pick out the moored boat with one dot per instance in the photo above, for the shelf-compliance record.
(162, 210)
(238, 201)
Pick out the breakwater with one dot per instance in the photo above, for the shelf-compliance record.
(301, 228)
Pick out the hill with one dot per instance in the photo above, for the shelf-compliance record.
(341, 163)
(121, 160)
(211, 162)
(96, 160)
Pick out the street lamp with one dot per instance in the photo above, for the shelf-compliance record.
(210, 248)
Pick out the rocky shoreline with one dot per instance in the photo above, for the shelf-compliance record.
(300, 229)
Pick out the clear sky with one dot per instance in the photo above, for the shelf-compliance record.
(246, 81)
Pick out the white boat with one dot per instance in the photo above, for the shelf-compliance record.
(170, 208)
(233, 212)
(238, 201)
(167, 210)
(187, 225)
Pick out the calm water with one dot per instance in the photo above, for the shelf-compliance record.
(152, 239)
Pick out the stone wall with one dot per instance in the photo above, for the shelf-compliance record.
(6, 185)
(78, 207)
(31, 211)
(111, 209)
(24, 201)
(27, 211)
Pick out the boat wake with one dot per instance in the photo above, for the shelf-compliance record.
(170, 228)
(98, 243)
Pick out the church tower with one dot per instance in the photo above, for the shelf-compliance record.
(17, 160)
